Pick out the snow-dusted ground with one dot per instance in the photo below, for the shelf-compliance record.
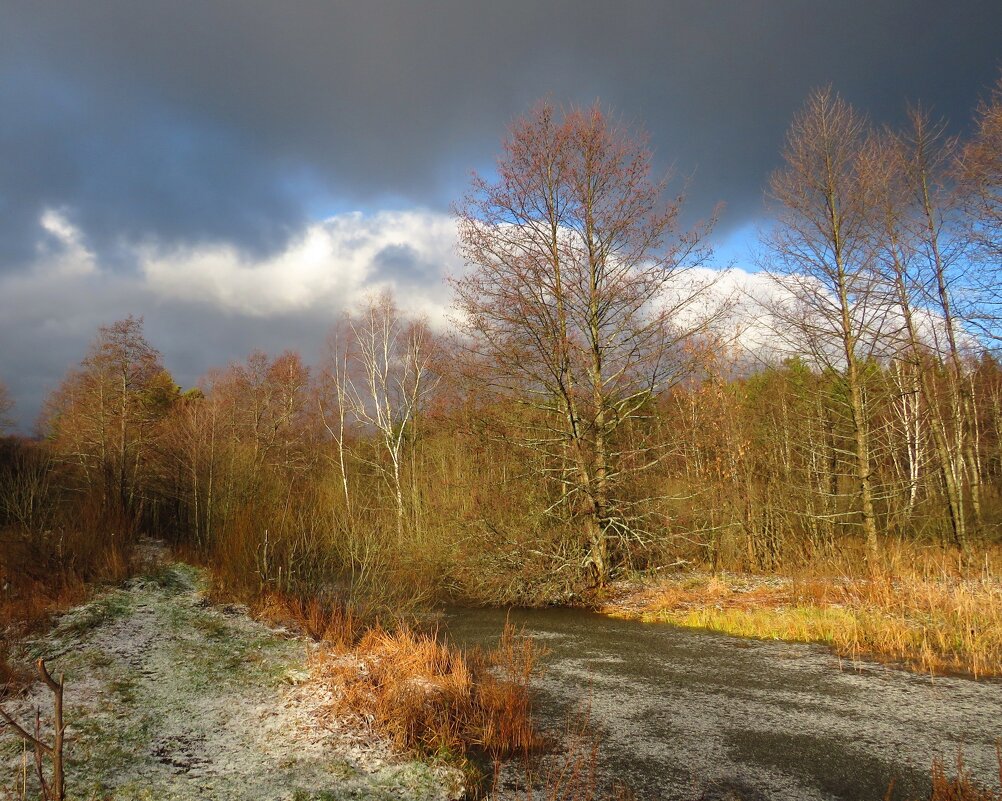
(169, 697)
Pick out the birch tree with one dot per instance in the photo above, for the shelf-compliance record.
(922, 258)
(381, 374)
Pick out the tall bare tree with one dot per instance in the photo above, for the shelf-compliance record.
(581, 294)
(923, 258)
(830, 303)
(981, 181)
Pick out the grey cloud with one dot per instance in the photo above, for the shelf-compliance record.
(49, 332)
(403, 265)
(190, 121)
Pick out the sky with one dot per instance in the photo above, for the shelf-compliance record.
(239, 172)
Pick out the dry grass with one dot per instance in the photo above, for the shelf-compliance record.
(43, 573)
(925, 614)
(426, 695)
(334, 624)
(961, 786)
(574, 775)
(430, 697)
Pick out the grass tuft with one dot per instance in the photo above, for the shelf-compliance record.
(961, 786)
(433, 699)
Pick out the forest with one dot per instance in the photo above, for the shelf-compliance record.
(599, 412)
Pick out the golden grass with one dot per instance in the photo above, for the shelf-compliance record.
(427, 696)
(431, 698)
(930, 620)
(336, 625)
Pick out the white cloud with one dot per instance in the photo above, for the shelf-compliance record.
(207, 306)
(210, 305)
(332, 265)
(62, 253)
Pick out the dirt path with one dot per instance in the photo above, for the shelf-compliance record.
(171, 698)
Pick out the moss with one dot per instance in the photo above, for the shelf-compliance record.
(11, 748)
(125, 689)
(211, 627)
(172, 578)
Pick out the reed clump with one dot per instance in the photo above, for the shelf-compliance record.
(335, 624)
(432, 698)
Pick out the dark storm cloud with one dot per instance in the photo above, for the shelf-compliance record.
(192, 121)
(137, 170)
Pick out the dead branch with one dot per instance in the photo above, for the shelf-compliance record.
(55, 792)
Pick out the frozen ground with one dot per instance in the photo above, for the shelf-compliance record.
(688, 715)
(169, 697)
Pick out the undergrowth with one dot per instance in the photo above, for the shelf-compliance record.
(44, 572)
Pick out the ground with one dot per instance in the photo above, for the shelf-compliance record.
(171, 698)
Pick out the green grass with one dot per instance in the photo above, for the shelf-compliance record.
(172, 577)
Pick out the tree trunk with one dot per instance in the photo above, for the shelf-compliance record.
(863, 472)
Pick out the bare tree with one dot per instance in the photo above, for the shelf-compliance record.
(980, 172)
(267, 397)
(25, 488)
(830, 303)
(581, 295)
(99, 417)
(380, 374)
(188, 455)
(334, 401)
(923, 258)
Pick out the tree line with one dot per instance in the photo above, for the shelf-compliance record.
(592, 410)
